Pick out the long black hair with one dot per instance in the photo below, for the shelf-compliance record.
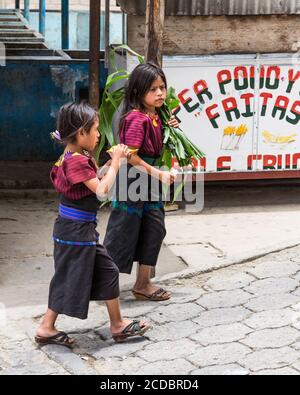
(139, 84)
(71, 118)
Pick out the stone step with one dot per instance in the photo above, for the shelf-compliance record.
(33, 58)
(17, 33)
(9, 18)
(22, 39)
(24, 45)
(8, 12)
(13, 25)
(31, 52)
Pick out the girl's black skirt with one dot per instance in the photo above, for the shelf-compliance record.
(84, 271)
(136, 230)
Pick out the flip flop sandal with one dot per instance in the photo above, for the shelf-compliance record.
(156, 296)
(133, 329)
(61, 338)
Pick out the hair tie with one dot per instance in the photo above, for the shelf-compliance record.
(56, 135)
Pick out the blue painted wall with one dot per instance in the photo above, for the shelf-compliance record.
(30, 96)
(79, 29)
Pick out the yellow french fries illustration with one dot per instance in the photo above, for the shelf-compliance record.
(270, 138)
(229, 131)
(233, 136)
(241, 130)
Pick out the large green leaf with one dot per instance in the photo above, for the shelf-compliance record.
(176, 143)
(172, 100)
(178, 191)
(128, 49)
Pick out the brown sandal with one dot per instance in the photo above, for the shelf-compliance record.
(157, 296)
(133, 329)
(61, 338)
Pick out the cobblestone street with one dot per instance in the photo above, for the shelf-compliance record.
(225, 317)
(239, 320)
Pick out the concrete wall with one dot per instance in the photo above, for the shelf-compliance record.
(29, 106)
(209, 35)
(79, 29)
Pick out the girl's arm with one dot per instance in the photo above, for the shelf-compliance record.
(103, 186)
(165, 176)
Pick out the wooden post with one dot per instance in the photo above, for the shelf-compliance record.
(155, 19)
(94, 77)
(107, 32)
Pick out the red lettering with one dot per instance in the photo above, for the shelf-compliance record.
(211, 116)
(247, 97)
(181, 97)
(209, 112)
(224, 76)
(200, 86)
(266, 97)
(240, 71)
(201, 162)
(293, 77)
(296, 158)
(273, 69)
(221, 163)
(295, 107)
(282, 102)
(269, 162)
(230, 104)
(279, 162)
(252, 158)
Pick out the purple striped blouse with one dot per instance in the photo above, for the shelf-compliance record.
(141, 131)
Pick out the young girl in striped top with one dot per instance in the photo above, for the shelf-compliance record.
(136, 229)
(84, 270)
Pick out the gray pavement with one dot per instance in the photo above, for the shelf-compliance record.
(231, 312)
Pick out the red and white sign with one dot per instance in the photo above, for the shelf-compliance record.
(244, 113)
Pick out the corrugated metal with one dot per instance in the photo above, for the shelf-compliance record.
(217, 7)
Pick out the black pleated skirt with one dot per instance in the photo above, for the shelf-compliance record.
(130, 238)
(82, 272)
(136, 230)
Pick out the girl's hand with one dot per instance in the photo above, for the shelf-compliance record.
(120, 151)
(167, 177)
(173, 122)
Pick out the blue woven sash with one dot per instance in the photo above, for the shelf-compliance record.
(76, 215)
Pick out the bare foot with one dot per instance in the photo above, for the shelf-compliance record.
(115, 329)
(150, 289)
(49, 332)
(134, 328)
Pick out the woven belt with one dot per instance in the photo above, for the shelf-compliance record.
(150, 160)
(76, 215)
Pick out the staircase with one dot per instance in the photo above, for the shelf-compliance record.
(21, 41)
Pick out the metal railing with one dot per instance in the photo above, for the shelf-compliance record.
(42, 18)
(26, 9)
